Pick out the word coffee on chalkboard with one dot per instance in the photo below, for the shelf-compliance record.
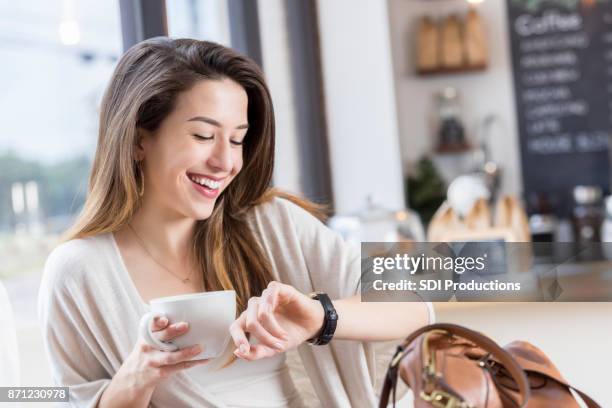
(562, 66)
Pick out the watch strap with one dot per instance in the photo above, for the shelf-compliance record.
(330, 320)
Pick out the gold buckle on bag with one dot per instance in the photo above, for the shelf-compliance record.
(442, 399)
(398, 356)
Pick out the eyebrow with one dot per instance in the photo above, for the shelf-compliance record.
(214, 122)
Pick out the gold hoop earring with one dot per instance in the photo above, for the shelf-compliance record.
(141, 186)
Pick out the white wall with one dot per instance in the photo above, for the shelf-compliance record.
(488, 92)
(360, 103)
(277, 68)
(377, 109)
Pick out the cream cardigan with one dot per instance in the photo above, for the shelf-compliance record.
(89, 310)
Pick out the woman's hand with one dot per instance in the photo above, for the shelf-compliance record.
(146, 366)
(280, 319)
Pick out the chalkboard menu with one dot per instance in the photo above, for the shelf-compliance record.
(562, 65)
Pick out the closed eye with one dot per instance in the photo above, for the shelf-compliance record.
(234, 142)
(200, 137)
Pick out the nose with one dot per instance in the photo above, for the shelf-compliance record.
(221, 156)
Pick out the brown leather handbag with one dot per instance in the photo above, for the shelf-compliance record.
(450, 366)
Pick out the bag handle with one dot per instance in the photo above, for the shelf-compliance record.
(585, 398)
(546, 371)
(588, 401)
(480, 340)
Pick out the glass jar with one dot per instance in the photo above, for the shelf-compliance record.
(450, 130)
(588, 214)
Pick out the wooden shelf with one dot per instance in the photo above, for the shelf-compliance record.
(451, 71)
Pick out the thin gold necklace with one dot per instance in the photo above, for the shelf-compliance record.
(141, 243)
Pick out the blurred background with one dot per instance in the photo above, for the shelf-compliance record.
(415, 119)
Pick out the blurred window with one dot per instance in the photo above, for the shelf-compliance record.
(57, 58)
(201, 19)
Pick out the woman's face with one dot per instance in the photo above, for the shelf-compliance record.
(197, 150)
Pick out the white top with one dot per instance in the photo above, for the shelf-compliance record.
(262, 383)
(89, 310)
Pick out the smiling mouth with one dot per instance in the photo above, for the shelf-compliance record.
(210, 184)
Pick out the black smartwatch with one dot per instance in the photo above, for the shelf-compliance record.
(330, 320)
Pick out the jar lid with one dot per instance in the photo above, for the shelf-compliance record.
(587, 194)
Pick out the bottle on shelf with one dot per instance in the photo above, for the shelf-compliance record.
(588, 214)
(451, 133)
(606, 228)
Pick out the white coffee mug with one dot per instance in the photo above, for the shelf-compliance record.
(209, 315)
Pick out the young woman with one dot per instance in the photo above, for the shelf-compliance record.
(179, 202)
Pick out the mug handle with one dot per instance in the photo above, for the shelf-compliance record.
(144, 329)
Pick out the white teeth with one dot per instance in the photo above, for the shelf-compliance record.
(212, 184)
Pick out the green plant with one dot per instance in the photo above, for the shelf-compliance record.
(425, 189)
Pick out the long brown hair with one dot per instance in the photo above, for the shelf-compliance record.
(142, 92)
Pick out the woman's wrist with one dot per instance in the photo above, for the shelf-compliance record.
(125, 391)
(318, 320)
(330, 320)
